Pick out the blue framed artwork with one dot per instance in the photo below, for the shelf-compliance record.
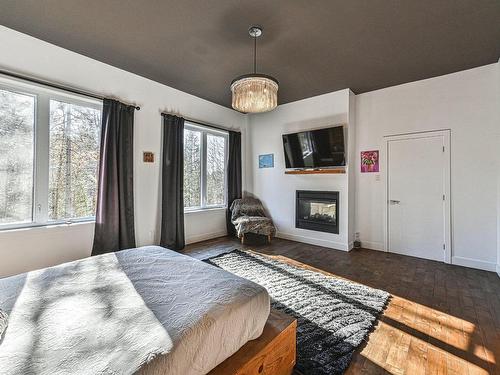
(266, 161)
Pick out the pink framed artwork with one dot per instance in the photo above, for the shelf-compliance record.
(369, 161)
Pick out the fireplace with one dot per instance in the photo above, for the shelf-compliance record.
(317, 210)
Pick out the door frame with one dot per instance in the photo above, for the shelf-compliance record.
(446, 134)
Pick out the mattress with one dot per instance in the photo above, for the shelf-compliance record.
(181, 315)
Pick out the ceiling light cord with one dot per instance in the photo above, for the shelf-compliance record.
(255, 54)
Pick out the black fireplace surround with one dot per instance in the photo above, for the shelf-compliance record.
(317, 210)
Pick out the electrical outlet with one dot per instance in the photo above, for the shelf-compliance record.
(356, 236)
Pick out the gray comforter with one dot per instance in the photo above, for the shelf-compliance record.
(113, 313)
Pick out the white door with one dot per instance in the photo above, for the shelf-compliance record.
(416, 192)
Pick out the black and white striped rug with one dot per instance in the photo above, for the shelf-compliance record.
(333, 315)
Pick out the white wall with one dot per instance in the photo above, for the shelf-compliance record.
(498, 183)
(351, 150)
(34, 248)
(498, 220)
(468, 103)
(277, 190)
(206, 224)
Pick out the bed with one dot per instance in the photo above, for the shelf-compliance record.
(147, 310)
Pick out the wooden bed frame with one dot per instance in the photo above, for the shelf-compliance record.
(273, 353)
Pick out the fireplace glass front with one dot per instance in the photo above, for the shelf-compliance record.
(317, 210)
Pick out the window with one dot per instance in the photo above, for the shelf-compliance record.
(192, 168)
(205, 152)
(17, 130)
(49, 155)
(73, 160)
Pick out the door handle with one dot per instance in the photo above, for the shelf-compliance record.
(393, 201)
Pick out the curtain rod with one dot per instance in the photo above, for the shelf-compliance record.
(55, 85)
(201, 123)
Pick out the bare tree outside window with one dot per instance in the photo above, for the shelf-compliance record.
(49, 155)
(73, 160)
(215, 169)
(192, 168)
(204, 167)
(17, 124)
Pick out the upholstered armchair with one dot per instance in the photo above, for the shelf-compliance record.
(248, 216)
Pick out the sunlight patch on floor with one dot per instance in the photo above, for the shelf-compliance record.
(424, 339)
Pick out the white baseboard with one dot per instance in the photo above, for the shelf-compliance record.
(313, 241)
(204, 237)
(372, 245)
(498, 270)
(474, 263)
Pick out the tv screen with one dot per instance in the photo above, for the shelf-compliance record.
(320, 148)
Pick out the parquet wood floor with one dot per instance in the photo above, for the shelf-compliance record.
(441, 319)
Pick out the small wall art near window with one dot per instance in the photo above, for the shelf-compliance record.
(369, 161)
(266, 161)
(148, 157)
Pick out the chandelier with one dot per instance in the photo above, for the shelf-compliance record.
(254, 93)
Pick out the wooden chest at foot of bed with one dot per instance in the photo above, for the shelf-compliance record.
(273, 353)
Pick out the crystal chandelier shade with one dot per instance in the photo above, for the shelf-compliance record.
(254, 93)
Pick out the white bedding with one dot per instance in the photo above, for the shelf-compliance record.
(111, 314)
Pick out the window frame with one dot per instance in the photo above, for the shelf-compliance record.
(41, 142)
(203, 178)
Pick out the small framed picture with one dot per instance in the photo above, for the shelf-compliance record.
(369, 161)
(148, 157)
(266, 161)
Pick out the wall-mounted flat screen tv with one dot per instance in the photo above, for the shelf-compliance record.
(322, 148)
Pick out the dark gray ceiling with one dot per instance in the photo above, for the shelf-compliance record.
(312, 47)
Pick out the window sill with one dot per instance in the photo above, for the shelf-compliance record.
(50, 226)
(206, 209)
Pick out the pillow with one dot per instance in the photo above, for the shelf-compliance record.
(3, 322)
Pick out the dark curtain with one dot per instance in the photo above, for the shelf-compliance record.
(233, 177)
(172, 210)
(114, 227)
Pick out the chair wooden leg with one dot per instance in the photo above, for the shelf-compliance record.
(242, 239)
(269, 238)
